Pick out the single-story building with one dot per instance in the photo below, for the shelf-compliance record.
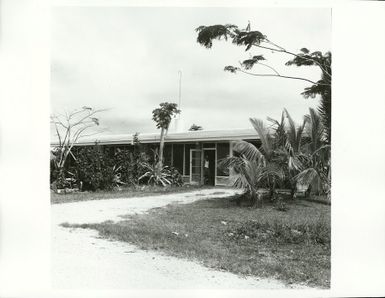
(195, 154)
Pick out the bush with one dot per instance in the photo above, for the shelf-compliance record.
(102, 168)
(164, 176)
(95, 170)
(99, 169)
(176, 177)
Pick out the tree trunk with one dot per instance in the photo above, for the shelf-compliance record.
(256, 199)
(161, 148)
(253, 198)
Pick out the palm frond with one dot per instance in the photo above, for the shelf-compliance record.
(315, 129)
(231, 162)
(279, 130)
(324, 150)
(294, 133)
(248, 150)
(264, 136)
(305, 178)
(291, 131)
(271, 174)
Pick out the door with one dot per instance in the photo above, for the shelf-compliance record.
(195, 166)
(209, 166)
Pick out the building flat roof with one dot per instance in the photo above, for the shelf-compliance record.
(172, 137)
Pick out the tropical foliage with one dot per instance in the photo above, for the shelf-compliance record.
(162, 116)
(195, 127)
(163, 176)
(289, 156)
(97, 168)
(69, 128)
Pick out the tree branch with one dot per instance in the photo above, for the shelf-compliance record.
(283, 50)
(269, 67)
(88, 116)
(276, 75)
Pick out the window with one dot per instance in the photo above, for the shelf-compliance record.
(223, 151)
(178, 157)
(167, 154)
(208, 145)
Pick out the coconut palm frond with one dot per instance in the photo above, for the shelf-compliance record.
(252, 170)
(300, 133)
(324, 150)
(272, 173)
(264, 136)
(232, 162)
(315, 129)
(305, 178)
(241, 183)
(294, 134)
(246, 174)
(248, 150)
(279, 130)
(291, 129)
(289, 148)
(295, 164)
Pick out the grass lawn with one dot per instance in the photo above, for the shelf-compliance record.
(292, 245)
(127, 192)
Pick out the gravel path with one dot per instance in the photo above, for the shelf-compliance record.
(80, 259)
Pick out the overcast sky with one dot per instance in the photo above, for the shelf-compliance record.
(127, 60)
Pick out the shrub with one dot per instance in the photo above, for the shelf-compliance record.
(104, 170)
(176, 177)
(161, 175)
(93, 169)
(123, 158)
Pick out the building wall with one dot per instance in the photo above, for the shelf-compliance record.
(178, 155)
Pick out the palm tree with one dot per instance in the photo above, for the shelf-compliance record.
(316, 164)
(195, 127)
(283, 159)
(251, 171)
(162, 116)
(256, 168)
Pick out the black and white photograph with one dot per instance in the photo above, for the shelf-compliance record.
(191, 149)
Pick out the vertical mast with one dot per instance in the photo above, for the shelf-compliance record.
(178, 120)
(180, 91)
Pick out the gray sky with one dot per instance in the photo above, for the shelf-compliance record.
(127, 60)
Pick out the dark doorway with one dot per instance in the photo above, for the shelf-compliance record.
(209, 167)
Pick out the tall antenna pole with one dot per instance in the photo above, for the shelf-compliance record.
(180, 88)
(178, 119)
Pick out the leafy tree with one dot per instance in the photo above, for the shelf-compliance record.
(195, 127)
(162, 116)
(69, 128)
(249, 39)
